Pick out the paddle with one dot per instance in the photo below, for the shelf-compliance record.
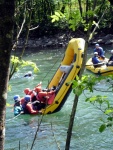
(101, 63)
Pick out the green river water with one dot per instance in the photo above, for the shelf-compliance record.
(85, 136)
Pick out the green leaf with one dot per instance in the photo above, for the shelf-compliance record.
(108, 111)
(8, 105)
(102, 128)
(57, 14)
(87, 99)
(110, 118)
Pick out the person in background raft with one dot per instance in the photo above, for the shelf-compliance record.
(17, 106)
(110, 61)
(96, 61)
(99, 50)
(29, 74)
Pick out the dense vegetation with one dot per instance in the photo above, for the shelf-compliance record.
(67, 15)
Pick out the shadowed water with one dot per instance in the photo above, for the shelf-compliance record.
(53, 128)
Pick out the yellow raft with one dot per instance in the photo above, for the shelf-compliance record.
(67, 71)
(103, 70)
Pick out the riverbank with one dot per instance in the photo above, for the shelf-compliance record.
(62, 39)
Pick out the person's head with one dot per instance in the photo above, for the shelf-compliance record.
(97, 46)
(30, 73)
(95, 53)
(27, 98)
(111, 51)
(38, 89)
(26, 91)
(16, 98)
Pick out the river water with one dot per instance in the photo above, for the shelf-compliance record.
(53, 129)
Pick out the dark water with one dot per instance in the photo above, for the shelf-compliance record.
(85, 134)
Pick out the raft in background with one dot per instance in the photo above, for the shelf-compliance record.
(67, 71)
(103, 70)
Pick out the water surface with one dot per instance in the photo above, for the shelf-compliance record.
(85, 134)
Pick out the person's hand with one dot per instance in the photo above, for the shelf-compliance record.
(34, 93)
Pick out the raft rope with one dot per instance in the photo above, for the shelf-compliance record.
(50, 69)
(13, 118)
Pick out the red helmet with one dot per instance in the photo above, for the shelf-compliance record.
(26, 91)
(38, 89)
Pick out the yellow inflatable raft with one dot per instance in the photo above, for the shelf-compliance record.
(102, 70)
(67, 71)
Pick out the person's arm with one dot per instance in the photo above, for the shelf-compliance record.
(30, 109)
(110, 59)
(101, 51)
(94, 49)
(95, 60)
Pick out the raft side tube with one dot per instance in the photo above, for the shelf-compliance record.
(73, 60)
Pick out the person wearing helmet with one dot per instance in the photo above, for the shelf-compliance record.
(28, 74)
(17, 106)
(38, 89)
(44, 96)
(99, 50)
(27, 91)
(110, 61)
(32, 93)
(25, 100)
(16, 98)
(96, 61)
(28, 106)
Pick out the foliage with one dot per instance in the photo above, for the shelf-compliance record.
(17, 64)
(88, 82)
(79, 17)
(65, 14)
(40, 15)
(57, 16)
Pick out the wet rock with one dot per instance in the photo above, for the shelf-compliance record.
(62, 39)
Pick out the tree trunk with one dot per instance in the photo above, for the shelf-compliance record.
(88, 37)
(6, 26)
(73, 112)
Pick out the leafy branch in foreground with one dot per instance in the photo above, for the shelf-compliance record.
(17, 64)
(101, 102)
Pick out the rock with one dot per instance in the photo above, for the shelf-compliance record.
(109, 42)
(62, 39)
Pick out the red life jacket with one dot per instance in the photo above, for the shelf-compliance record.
(30, 109)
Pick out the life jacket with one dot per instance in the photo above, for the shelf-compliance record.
(22, 101)
(95, 60)
(44, 96)
(17, 110)
(30, 109)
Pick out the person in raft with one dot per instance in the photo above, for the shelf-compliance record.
(39, 96)
(27, 91)
(99, 50)
(28, 106)
(17, 105)
(44, 96)
(32, 93)
(28, 74)
(110, 61)
(96, 61)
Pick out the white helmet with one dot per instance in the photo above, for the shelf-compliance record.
(97, 45)
(111, 51)
(29, 72)
(95, 53)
